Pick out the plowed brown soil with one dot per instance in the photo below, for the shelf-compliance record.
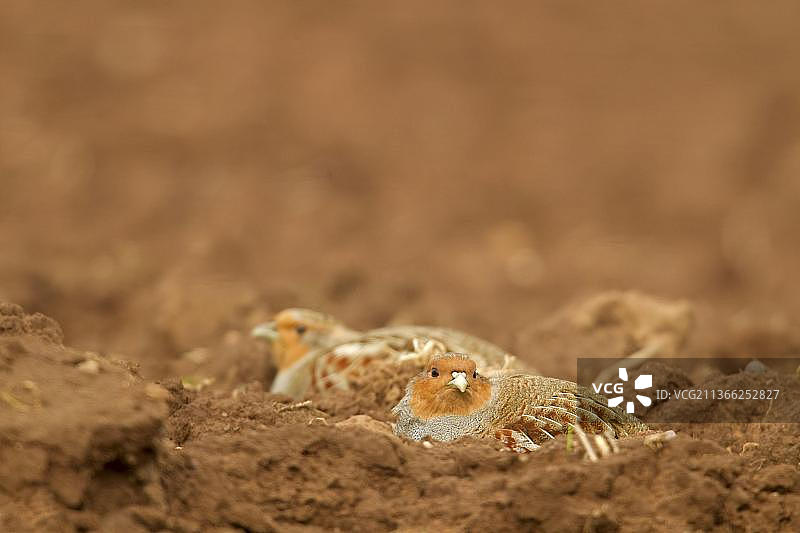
(532, 173)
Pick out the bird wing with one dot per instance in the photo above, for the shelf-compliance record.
(488, 357)
(547, 407)
(337, 366)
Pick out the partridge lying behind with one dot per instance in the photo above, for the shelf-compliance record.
(316, 352)
(450, 399)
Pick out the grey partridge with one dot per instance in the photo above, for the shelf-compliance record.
(314, 352)
(451, 399)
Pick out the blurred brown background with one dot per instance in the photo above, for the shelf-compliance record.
(173, 171)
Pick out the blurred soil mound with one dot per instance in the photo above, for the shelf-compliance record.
(78, 432)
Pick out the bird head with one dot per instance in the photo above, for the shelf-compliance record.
(294, 332)
(450, 385)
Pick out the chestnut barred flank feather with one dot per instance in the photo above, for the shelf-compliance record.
(521, 410)
(315, 352)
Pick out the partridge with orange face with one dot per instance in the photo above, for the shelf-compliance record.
(316, 352)
(451, 399)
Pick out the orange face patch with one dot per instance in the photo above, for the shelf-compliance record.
(290, 346)
(433, 395)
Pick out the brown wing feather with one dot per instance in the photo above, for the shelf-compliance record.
(543, 408)
(335, 366)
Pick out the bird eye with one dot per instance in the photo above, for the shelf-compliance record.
(434, 373)
(474, 374)
(300, 330)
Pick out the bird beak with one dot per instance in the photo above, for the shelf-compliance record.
(459, 381)
(267, 331)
